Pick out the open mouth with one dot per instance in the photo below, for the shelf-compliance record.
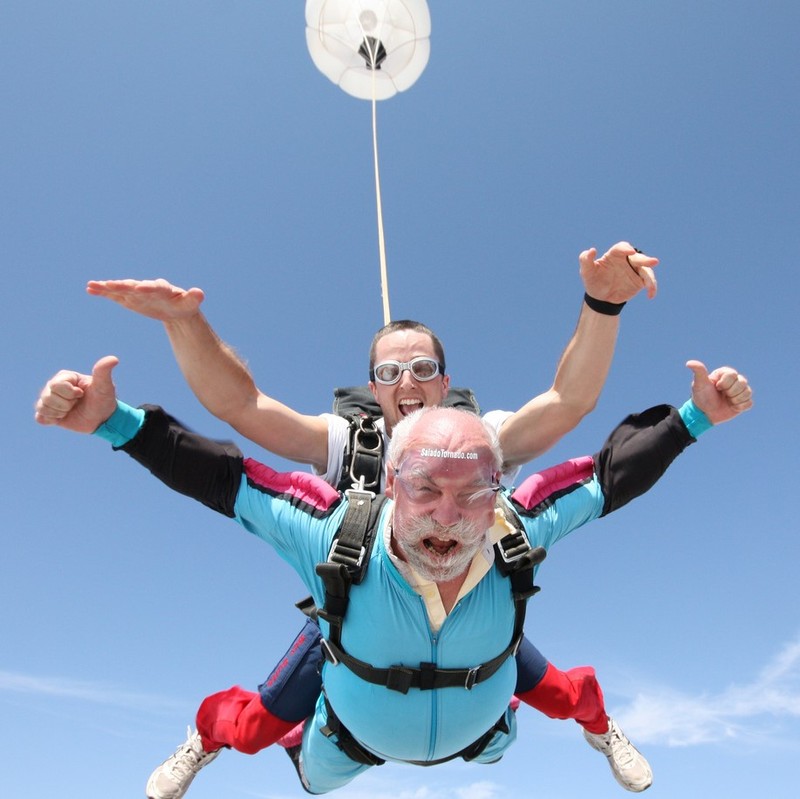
(409, 405)
(440, 547)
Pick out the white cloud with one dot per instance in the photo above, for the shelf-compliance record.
(478, 790)
(747, 711)
(373, 787)
(84, 691)
(753, 711)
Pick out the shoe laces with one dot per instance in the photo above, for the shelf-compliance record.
(189, 757)
(620, 747)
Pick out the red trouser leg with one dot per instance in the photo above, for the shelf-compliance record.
(573, 694)
(237, 718)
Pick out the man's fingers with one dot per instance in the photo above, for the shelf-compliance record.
(45, 415)
(734, 385)
(64, 386)
(62, 395)
(639, 259)
(105, 288)
(643, 265)
(58, 398)
(649, 279)
(724, 377)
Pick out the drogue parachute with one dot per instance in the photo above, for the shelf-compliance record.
(371, 49)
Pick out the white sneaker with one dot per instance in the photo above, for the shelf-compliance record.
(173, 777)
(628, 765)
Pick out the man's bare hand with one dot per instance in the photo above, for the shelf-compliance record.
(618, 275)
(157, 299)
(721, 394)
(79, 402)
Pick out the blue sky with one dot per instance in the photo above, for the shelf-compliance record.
(196, 141)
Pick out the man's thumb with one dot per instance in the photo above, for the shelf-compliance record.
(101, 372)
(698, 369)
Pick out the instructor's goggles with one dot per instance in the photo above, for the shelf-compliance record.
(422, 368)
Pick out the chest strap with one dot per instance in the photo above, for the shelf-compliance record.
(427, 677)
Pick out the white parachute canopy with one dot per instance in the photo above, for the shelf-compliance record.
(371, 49)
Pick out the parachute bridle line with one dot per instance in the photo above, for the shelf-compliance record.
(381, 241)
(371, 45)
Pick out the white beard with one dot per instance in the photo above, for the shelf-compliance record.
(431, 565)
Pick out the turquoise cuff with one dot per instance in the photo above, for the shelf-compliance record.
(695, 420)
(122, 425)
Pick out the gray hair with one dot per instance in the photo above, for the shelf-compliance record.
(403, 430)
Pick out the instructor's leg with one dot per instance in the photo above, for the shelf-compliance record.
(249, 721)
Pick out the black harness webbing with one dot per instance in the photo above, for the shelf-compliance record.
(348, 558)
(345, 740)
(360, 754)
(347, 564)
(363, 458)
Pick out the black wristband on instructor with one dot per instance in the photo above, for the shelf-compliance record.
(607, 308)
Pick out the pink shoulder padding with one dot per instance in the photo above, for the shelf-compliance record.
(305, 487)
(538, 487)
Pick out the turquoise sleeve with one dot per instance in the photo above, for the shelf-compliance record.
(122, 425)
(695, 420)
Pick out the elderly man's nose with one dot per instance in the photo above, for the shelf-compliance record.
(447, 510)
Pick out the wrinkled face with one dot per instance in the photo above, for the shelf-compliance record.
(444, 506)
(408, 394)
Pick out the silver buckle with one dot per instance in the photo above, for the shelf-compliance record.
(358, 488)
(472, 678)
(328, 652)
(334, 557)
(524, 544)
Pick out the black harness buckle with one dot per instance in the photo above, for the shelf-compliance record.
(399, 679)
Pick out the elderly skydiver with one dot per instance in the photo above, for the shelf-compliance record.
(433, 541)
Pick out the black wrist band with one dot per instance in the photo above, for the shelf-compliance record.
(607, 308)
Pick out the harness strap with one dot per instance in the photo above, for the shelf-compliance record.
(356, 751)
(517, 560)
(348, 558)
(367, 458)
(345, 740)
(354, 540)
(363, 456)
(475, 749)
(514, 557)
(520, 573)
(427, 677)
